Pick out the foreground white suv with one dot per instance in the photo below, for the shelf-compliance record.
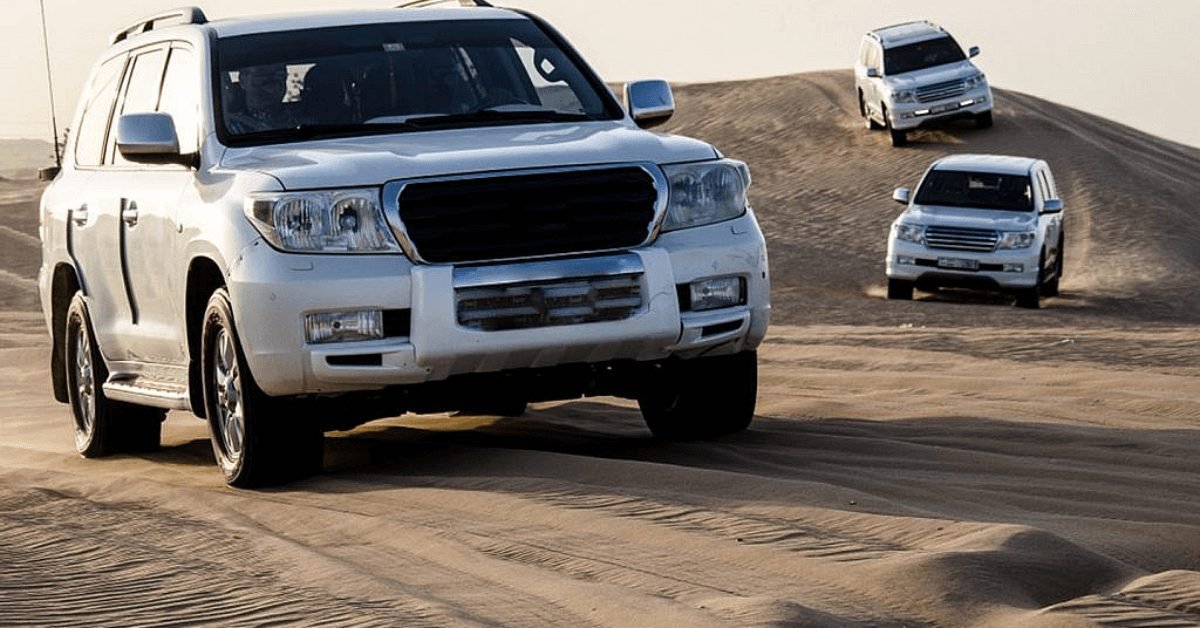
(912, 74)
(979, 221)
(294, 224)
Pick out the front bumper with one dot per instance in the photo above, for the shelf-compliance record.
(921, 266)
(905, 116)
(272, 292)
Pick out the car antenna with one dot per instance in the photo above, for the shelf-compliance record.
(50, 85)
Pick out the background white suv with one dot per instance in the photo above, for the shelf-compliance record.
(912, 74)
(300, 223)
(979, 221)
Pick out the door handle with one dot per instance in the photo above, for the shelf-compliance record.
(79, 216)
(130, 214)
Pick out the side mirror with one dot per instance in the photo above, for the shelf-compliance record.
(48, 173)
(973, 52)
(872, 72)
(149, 138)
(650, 103)
(1052, 206)
(901, 196)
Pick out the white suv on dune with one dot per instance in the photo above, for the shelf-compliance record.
(912, 74)
(979, 221)
(294, 224)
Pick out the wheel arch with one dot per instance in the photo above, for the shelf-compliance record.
(63, 286)
(204, 277)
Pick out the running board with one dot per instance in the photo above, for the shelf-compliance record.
(147, 392)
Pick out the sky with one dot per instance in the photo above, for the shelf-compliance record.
(1133, 61)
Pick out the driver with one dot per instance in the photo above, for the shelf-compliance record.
(263, 88)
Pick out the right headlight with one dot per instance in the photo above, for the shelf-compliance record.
(704, 193)
(904, 95)
(976, 80)
(322, 221)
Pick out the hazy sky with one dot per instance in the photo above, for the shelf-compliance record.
(1134, 61)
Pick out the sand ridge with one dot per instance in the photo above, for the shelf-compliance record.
(953, 461)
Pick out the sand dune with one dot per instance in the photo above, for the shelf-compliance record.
(953, 461)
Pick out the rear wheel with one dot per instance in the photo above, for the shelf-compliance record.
(102, 426)
(899, 289)
(702, 397)
(257, 440)
(984, 120)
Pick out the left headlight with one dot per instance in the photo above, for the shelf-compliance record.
(705, 193)
(323, 221)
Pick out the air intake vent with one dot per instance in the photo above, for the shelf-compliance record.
(941, 91)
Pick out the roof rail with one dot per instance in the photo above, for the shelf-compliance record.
(413, 4)
(184, 15)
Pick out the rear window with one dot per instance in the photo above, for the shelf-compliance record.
(981, 190)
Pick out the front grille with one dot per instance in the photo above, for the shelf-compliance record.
(941, 91)
(960, 238)
(528, 215)
(549, 303)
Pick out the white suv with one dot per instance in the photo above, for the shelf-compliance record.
(912, 74)
(294, 224)
(979, 221)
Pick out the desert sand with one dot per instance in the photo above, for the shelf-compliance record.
(951, 461)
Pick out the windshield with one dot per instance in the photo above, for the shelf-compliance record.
(976, 189)
(921, 55)
(383, 78)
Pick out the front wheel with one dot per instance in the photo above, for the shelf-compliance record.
(1050, 288)
(702, 397)
(102, 426)
(900, 290)
(257, 440)
(872, 125)
(984, 120)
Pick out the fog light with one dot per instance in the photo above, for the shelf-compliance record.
(920, 112)
(905, 260)
(328, 327)
(1014, 268)
(712, 294)
(967, 103)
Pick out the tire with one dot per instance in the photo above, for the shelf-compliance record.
(984, 120)
(702, 398)
(102, 426)
(1050, 288)
(1031, 298)
(900, 290)
(899, 138)
(257, 440)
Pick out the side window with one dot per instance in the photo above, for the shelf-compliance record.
(1050, 185)
(864, 53)
(89, 140)
(873, 57)
(181, 98)
(141, 91)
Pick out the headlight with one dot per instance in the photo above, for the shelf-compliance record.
(973, 81)
(704, 193)
(911, 233)
(1017, 239)
(332, 221)
(905, 95)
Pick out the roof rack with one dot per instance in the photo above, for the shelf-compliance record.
(184, 15)
(413, 4)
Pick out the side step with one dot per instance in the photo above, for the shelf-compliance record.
(144, 391)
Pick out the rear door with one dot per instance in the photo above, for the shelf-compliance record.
(92, 225)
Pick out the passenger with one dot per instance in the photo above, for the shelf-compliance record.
(262, 90)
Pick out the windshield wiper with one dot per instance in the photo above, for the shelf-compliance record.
(317, 131)
(500, 114)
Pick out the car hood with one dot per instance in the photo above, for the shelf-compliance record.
(932, 76)
(373, 160)
(1000, 220)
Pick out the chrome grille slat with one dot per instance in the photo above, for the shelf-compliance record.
(941, 91)
(549, 303)
(960, 238)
